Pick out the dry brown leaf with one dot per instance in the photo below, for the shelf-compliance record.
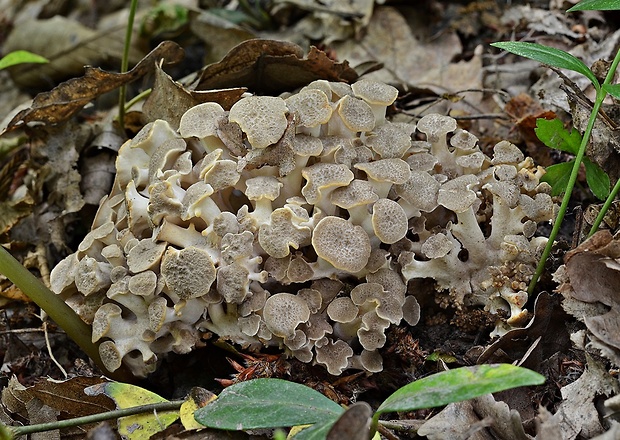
(71, 96)
(272, 67)
(50, 400)
(218, 34)
(577, 414)
(468, 420)
(169, 99)
(593, 271)
(68, 396)
(546, 330)
(407, 59)
(353, 424)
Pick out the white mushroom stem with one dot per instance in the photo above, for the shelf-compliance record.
(505, 221)
(262, 210)
(469, 233)
(185, 237)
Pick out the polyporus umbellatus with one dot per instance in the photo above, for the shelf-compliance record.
(297, 222)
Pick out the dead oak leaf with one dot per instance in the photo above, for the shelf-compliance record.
(272, 67)
(69, 97)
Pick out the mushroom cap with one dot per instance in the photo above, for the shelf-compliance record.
(322, 176)
(389, 221)
(386, 170)
(356, 193)
(262, 119)
(335, 356)
(232, 282)
(389, 141)
(311, 105)
(420, 190)
(437, 246)
(145, 255)
(143, 283)
(188, 272)
(201, 120)
(356, 114)
(463, 140)
(375, 92)
(165, 155)
(281, 233)
(506, 152)
(263, 187)
(456, 195)
(371, 361)
(306, 145)
(342, 310)
(283, 312)
(343, 245)
(313, 298)
(435, 126)
(421, 161)
(223, 174)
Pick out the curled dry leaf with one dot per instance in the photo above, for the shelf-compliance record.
(546, 329)
(272, 67)
(69, 97)
(170, 99)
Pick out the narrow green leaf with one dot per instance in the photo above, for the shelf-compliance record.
(598, 180)
(612, 89)
(267, 403)
(557, 176)
(596, 5)
(21, 57)
(553, 134)
(457, 385)
(548, 55)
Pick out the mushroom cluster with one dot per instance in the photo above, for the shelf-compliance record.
(297, 221)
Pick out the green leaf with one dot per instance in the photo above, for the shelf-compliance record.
(553, 134)
(267, 403)
(548, 55)
(139, 426)
(318, 431)
(21, 57)
(557, 176)
(597, 179)
(612, 89)
(596, 5)
(457, 385)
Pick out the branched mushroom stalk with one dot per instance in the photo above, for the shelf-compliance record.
(298, 222)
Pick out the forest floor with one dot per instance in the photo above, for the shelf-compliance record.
(438, 55)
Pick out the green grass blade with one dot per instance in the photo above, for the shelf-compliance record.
(548, 55)
(596, 5)
(267, 403)
(458, 385)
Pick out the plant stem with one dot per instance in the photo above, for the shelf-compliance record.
(125, 62)
(56, 308)
(604, 208)
(600, 95)
(612, 195)
(115, 414)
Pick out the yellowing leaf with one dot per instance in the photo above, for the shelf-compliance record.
(198, 397)
(140, 426)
